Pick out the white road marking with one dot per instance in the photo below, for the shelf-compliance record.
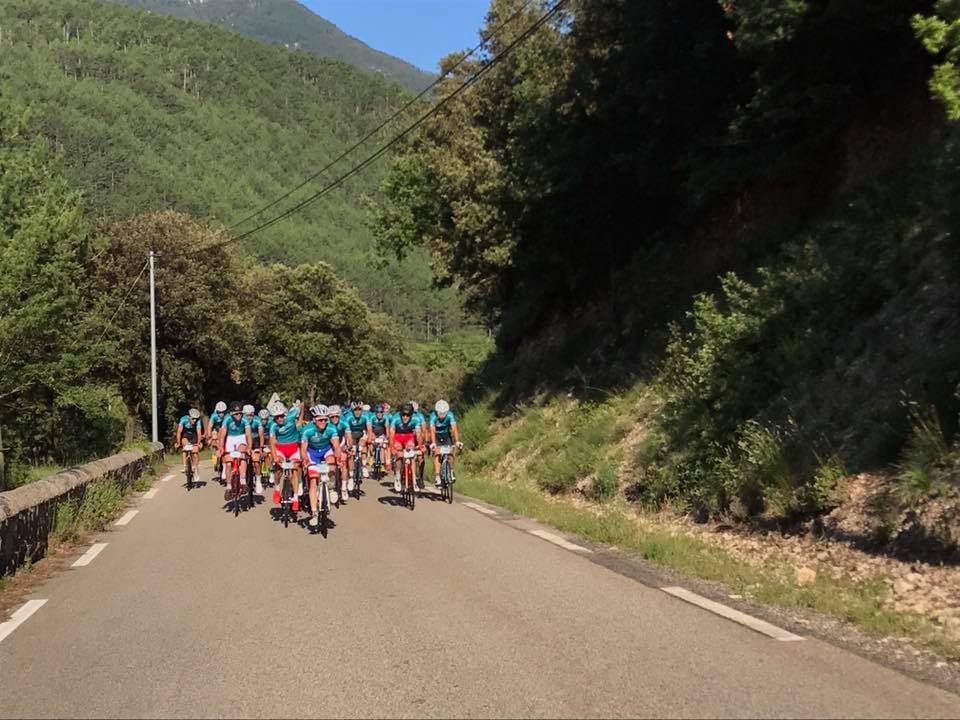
(150, 493)
(557, 540)
(126, 518)
(168, 478)
(89, 555)
(479, 508)
(729, 613)
(19, 617)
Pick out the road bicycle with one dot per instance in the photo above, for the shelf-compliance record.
(236, 486)
(322, 470)
(447, 478)
(408, 477)
(357, 470)
(286, 492)
(378, 466)
(188, 451)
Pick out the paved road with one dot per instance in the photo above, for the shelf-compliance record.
(440, 612)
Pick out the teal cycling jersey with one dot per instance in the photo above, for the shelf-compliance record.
(357, 425)
(379, 425)
(288, 432)
(189, 428)
(340, 427)
(316, 438)
(420, 418)
(235, 427)
(216, 420)
(443, 427)
(400, 426)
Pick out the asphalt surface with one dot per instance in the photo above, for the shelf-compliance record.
(443, 611)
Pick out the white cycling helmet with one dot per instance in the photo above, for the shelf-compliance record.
(334, 410)
(320, 411)
(278, 408)
(249, 409)
(442, 407)
(416, 405)
(366, 407)
(221, 407)
(194, 413)
(264, 414)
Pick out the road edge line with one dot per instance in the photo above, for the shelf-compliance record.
(89, 555)
(20, 616)
(127, 517)
(748, 621)
(559, 541)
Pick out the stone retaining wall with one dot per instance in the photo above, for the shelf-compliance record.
(27, 513)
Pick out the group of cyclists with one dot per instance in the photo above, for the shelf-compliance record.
(307, 437)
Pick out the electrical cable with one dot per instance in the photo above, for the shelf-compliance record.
(383, 149)
(483, 41)
(124, 300)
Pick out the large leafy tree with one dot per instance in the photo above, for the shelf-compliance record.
(47, 404)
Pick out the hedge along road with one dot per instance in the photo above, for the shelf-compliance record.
(444, 611)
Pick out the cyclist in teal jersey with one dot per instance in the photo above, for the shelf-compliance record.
(405, 432)
(443, 431)
(319, 442)
(340, 425)
(256, 432)
(190, 432)
(235, 435)
(359, 433)
(379, 429)
(213, 431)
(285, 445)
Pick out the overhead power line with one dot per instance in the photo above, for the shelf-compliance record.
(545, 18)
(124, 300)
(483, 41)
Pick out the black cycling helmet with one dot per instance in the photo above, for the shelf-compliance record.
(236, 407)
(379, 408)
(406, 409)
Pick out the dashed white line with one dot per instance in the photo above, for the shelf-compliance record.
(480, 508)
(127, 518)
(19, 617)
(168, 478)
(729, 613)
(89, 555)
(150, 493)
(557, 540)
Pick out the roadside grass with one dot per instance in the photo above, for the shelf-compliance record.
(101, 503)
(534, 459)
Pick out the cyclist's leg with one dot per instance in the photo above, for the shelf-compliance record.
(195, 461)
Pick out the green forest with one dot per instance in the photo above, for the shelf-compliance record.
(742, 207)
(746, 206)
(287, 22)
(153, 113)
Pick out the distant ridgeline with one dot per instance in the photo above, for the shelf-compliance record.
(154, 113)
(287, 22)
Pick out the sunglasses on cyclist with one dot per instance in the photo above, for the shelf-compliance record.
(405, 414)
(320, 419)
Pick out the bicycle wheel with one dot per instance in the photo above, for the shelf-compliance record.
(357, 476)
(324, 502)
(235, 486)
(445, 481)
(189, 474)
(411, 486)
(285, 498)
(249, 492)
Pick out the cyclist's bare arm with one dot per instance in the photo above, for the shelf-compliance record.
(338, 454)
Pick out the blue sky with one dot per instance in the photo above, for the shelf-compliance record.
(419, 31)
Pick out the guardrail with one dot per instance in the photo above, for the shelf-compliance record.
(27, 513)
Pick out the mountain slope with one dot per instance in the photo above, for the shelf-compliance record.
(287, 22)
(152, 112)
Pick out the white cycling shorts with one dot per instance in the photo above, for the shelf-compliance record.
(234, 442)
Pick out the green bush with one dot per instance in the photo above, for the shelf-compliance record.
(926, 448)
(604, 485)
(475, 425)
(101, 502)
